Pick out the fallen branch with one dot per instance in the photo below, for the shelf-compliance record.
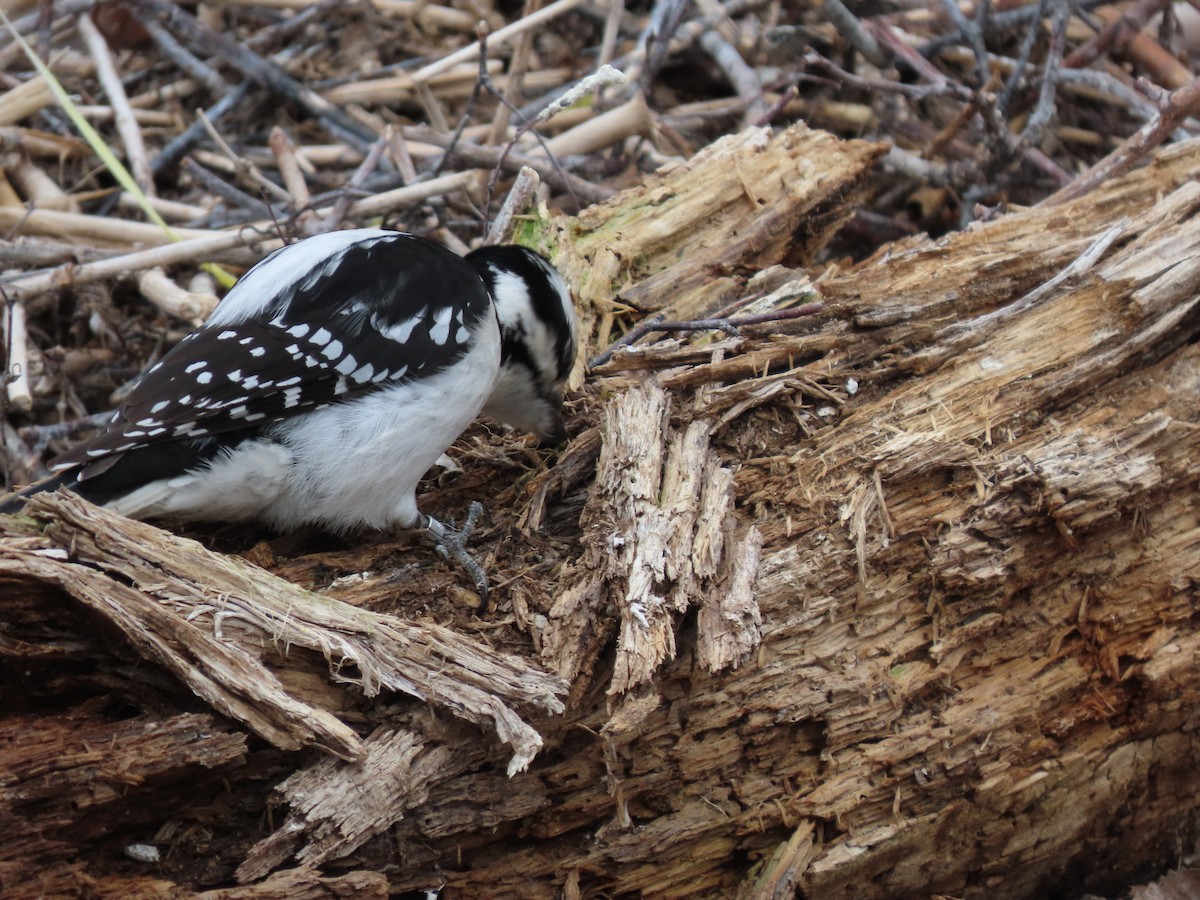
(127, 125)
(1179, 106)
(207, 245)
(730, 326)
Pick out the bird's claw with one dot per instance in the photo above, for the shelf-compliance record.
(451, 543)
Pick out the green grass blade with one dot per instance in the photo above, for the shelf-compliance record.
(104, 152)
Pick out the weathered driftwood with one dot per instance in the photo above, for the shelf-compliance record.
(976, 487)
(178, 584)
(690, 239)
(893, 601)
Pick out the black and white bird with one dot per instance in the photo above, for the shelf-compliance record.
(328, 381)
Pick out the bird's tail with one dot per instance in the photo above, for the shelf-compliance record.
(12, 503)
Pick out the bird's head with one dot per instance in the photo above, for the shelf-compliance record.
(538, 338)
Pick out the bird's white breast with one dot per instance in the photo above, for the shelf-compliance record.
(358, 463)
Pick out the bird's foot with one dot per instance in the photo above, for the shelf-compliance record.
(451, 543)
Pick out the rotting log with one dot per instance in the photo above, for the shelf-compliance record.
(897, 600)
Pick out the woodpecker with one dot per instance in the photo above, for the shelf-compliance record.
(328, 381)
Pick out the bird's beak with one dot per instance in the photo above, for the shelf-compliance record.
(555, 433)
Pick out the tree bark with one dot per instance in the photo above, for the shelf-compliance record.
(895, 600)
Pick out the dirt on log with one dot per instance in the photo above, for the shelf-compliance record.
(897, 597)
